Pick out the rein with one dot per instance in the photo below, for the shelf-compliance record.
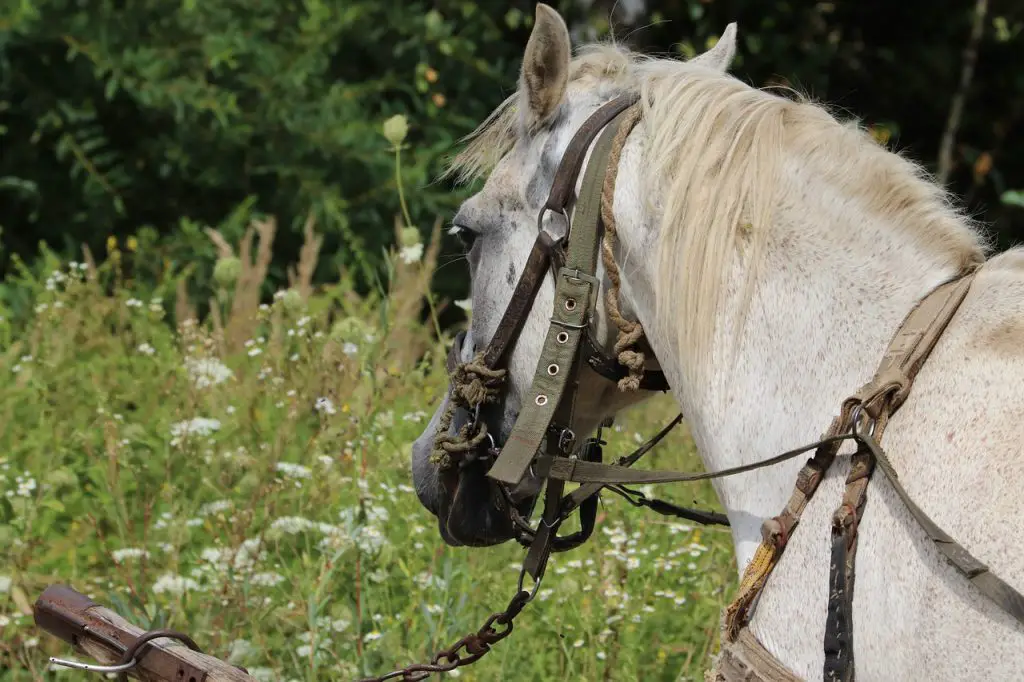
(542, 443)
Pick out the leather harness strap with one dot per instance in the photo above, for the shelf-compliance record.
(512, 320)
(576, 295)
(564, 185)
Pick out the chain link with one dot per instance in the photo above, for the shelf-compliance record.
(469, 649)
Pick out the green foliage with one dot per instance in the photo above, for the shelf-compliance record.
(176, 114)
(157, 119)
(164, 473)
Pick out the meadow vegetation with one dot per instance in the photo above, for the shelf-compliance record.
(244, 477)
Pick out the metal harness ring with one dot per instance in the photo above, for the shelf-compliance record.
(855, 418)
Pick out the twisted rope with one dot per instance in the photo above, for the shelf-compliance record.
(630, 331)
(473, 384)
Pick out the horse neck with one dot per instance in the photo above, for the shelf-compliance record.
(835, 282)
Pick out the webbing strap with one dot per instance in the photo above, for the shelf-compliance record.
(911, 346)
(575, 296)
(1009, 600)
(579, 471)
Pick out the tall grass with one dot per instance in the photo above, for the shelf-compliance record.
(245, 478)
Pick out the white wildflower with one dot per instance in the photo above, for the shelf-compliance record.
(412, 253)
(371, 636)
(263, 674)
(292, 524)
(206, 372)
(349, 348)
(254, 351)
(26, 484)
(211, 508)
(174, 584)
(146, 349)
(291, 470)
(325, 405)
(120, 555)
(133, 303)
(201, 426)
(266, 579)
(213, 555)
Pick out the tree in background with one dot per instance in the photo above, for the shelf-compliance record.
(143, 122)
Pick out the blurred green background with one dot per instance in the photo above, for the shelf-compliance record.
(155, 118)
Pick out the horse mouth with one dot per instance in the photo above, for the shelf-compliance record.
(474, 510)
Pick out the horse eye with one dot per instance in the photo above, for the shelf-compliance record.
(465, 236)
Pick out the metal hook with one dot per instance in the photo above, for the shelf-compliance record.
(78, 665)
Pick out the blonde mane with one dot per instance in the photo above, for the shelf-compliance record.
(719, 146)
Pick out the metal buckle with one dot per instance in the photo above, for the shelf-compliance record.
(575, 275)
(569, 325)
(566, 440)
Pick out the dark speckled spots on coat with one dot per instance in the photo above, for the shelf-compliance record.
(508, 208)
(510, 276)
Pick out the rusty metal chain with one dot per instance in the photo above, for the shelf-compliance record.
(469, 649)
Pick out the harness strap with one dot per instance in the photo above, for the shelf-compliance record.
(575, 297)
(880, 398)
(610, 368)
(746, 660)
(572, 160)
(911, 346)
(579, 471)
(993, 587)
(511, 323)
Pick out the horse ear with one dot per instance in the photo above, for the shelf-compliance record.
(720, 56)
(545, 72)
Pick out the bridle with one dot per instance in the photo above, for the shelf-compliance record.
(543, 444)
(544, 424)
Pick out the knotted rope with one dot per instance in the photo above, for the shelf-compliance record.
(473, 384)
(630, 331)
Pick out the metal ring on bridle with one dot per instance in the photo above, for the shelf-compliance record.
(544, 210)
(522, 578)
(855, 417)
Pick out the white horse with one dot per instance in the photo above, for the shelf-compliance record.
(770, 253)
